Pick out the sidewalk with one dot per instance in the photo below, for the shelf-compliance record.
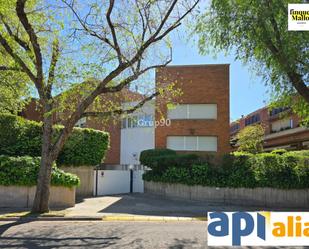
(132, 207)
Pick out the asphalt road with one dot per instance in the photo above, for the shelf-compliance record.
(100, 234)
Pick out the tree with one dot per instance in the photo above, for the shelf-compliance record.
(256, 31)
(250, 139)
(13, 95)
(105, 44)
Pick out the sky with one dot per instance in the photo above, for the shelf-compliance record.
(247, 91)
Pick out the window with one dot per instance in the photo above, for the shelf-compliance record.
(176, 143)
(281, 125)
(124, 123)
(192, 143)
(234, 128)
(193, 111)
(133, 121)
(252, 119)
(278, 110)
(81, 123)
(180, 112)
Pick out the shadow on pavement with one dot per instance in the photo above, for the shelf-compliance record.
(148, 204)
(66, 242)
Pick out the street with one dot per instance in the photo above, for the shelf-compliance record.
(99, 234)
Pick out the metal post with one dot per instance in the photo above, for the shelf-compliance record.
(96, 180)
(131, 167)
(131, 180)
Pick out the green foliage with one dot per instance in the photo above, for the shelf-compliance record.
(23, 171)
(147, 156)
(256, 33)
(279, 151)
(84, 147)
(250, 139)
(161, 159)
(20, 137)
(287, 171)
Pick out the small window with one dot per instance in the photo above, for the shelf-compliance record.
(202, 111)
(234, 128)
(252, 119)
(179, 112)
(175, 142)
(192, 143)
(124, 123)
(81, 123)
(193, 111)
(207, 143)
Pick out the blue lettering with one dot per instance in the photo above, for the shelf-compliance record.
(261, 226)
(222, 224)
(236, 227)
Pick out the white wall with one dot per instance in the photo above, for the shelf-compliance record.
(134, 140)
(118, 182)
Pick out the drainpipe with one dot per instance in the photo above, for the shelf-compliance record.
(131, 167)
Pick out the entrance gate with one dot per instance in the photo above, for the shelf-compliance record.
(119, 179)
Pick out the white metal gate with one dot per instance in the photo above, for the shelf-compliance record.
(108, 182)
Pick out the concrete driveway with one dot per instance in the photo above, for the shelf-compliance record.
(146, 204)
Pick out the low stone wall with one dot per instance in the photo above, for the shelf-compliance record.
(86, 176)
(22, 196)
(262, 197)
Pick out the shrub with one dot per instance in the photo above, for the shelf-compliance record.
(23, 171)
(20, 137)
(250, 139)
(289, 170)
(304, 153)
(162, 163)
(147, 156)
(278, 151)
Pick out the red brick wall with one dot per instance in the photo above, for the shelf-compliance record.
(113, 128)
(204, 84)
(32, 111)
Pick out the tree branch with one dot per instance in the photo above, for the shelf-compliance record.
(112, 28)
(131, 78)
(5, 68)
(120, 111)
(86, 28)
(16, 58)
(22, 43)
(295, 78)
(20, 10)
(70, 122)
(53, 63)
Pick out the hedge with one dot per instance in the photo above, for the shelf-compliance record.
(23, 171)
(20, 137)
(286, 171)
(147, 157)
(161, 159)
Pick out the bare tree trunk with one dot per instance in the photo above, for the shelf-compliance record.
(41, 199)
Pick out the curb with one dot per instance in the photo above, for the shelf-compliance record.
(151, 218)
(76, 218)
(106, 218)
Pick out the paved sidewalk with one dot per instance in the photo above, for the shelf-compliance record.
(131, 207)
(144, 205)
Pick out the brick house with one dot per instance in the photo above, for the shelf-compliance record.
(198, 124)
(282, 128)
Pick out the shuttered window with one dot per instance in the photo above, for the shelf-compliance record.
(193, 111)
(192, 143)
